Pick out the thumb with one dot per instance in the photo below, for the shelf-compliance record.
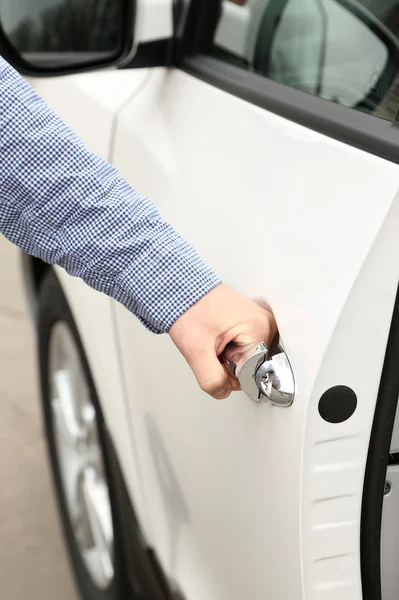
(211, 375)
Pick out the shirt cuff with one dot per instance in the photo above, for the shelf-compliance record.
(170, 278)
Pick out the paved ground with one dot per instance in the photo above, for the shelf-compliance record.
(33, 562)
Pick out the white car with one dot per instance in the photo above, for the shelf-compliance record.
(265, 131)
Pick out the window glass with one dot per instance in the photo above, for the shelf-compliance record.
(47, 29)
(345, 51)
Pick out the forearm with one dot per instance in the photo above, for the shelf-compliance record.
(67, 206)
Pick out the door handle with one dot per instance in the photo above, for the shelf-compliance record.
(265, 376)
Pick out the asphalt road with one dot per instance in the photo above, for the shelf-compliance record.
(33, 563)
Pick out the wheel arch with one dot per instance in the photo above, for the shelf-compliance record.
(143, 573)
(33, 271)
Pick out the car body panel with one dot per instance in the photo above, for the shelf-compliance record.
(89, 104)
(240, 499)
(154, 20)
(237, 491)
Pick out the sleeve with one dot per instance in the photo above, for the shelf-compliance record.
(67, 206)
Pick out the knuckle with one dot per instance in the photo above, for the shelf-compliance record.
(209, 387)
(214, 387)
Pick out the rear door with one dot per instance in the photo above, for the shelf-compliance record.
(272, 149)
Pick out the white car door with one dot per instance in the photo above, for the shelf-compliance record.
(292, 197)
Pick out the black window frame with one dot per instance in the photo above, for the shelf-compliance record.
(366, 132)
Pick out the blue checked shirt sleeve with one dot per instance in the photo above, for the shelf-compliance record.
(65, 205)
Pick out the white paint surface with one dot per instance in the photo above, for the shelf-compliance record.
(242, 500)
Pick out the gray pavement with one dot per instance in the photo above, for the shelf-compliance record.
(33, 563)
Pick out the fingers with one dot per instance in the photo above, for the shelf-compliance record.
(235, 384)
(211, 375)
(239, 354)
(220, 317)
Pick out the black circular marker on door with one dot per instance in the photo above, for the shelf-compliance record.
(337, 404)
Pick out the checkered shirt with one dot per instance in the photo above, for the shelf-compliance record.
(67, 206)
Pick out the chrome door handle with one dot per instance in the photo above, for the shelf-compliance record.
(263, 376)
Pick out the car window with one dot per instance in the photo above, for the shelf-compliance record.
(50, 28)
(345, 51)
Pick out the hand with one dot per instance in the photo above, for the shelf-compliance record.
(220, 318)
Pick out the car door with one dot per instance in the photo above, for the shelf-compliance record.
(273, 152)
(54, 39)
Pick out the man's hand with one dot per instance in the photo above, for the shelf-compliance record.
(220, 318)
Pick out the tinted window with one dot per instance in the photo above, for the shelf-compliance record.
(48, 29)
(345, 51)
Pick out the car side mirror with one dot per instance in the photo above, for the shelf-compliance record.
(54, 37)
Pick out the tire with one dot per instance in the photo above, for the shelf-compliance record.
(54, 324)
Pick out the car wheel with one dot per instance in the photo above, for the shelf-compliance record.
(76, 443)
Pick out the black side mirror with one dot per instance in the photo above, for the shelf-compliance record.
(49, 37)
